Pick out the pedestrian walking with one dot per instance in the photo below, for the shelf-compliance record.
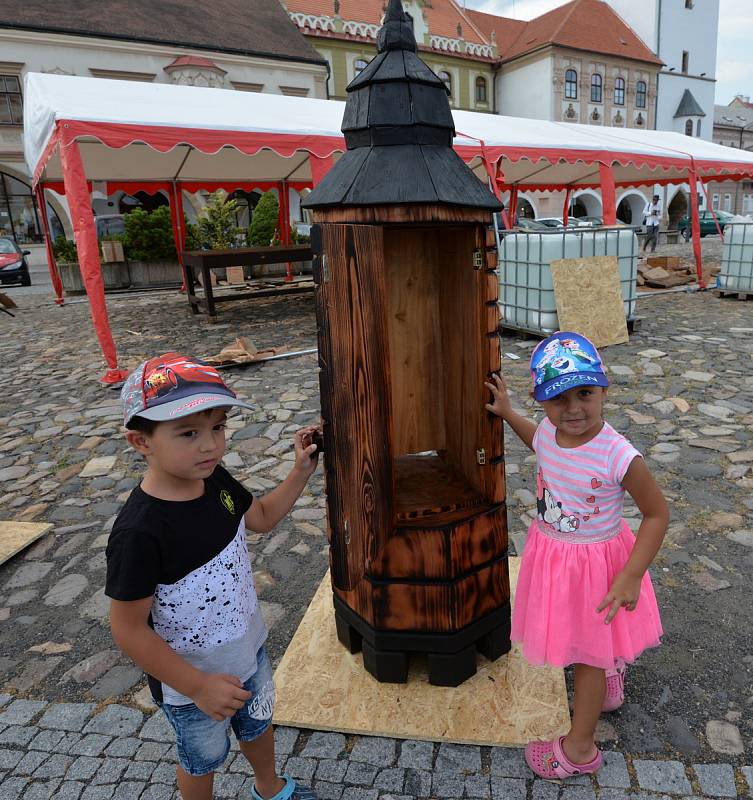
(652, 219)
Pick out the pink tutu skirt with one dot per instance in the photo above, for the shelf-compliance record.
(559, 589)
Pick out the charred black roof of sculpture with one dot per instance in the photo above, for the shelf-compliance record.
(398, 130)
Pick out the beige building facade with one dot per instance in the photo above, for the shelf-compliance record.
(273, 59)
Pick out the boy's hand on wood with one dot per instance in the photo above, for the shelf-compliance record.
(623, 593)
(306, 451)
(220, 696)
(501, 405)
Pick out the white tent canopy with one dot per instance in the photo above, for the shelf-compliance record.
(128, 130)
(175, 138)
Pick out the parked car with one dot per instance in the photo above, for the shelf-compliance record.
(526, 224)
(109, 224)
(13, 265)
(708, 226)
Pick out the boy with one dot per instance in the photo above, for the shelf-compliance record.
(183, 604)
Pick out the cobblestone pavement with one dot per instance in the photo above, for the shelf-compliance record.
(681, 391)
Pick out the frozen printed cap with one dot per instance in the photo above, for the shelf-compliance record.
(563, 361)
(172, 386)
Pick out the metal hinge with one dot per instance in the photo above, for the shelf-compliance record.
(346, 533)
(325, 268)
(481, 456)
(478, 259)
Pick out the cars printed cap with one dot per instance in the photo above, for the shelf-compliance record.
(172, 386)
(563, 361)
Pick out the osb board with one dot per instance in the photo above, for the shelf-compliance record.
(589, 300)
(15, 536)
(322, 686)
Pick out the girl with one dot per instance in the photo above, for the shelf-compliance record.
(584, 595)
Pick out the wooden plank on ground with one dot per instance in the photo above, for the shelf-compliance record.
(589, 300)
(15, 536)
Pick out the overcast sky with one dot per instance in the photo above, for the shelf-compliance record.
(734, 68)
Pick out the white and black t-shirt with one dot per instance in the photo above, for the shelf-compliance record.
(191, 557)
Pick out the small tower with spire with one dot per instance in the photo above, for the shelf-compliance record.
(407, 318)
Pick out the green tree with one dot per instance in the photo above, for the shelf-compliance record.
(216, 226)
(149, 236)
(264, 221)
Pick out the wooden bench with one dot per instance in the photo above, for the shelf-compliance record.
(204, 261)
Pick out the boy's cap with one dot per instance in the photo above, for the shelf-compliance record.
(172, 386)
(563, 361)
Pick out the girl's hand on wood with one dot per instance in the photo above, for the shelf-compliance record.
(624, 593)
(501, 405)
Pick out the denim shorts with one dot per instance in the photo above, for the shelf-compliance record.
(203, 743)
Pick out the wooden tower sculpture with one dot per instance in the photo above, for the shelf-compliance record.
(407, 316)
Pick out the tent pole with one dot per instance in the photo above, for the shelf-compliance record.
(79, 202)
(52, 264)
(608, 202)
(566, 205)
(285, 226)
(175, 213)
(696, 226)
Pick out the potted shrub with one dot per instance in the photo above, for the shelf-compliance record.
(149, 247)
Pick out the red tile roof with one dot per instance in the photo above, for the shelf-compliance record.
(443, 16)
(590, 25)
(505, 29)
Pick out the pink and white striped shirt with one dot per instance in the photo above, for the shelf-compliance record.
(578, 491)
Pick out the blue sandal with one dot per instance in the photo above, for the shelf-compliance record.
(291, 791)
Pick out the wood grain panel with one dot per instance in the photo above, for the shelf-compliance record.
(355, 407)
(443, 553)
(441, 606)
(413, 214)
(414, 333)
(460, 311)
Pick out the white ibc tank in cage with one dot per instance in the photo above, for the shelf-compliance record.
(526, 293)
(737, 258)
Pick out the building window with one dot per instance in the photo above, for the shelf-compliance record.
(619, 92)
(640, 94)
(359, 65)
(685, 60)
(571, 84)
(11, 107)
(715, 202)
(747, 203)
(481, 90)
(446, 79)
(698, 129)
(688, 3)
(596, 86)
(689, 127)
(18, 213)
(728, 202)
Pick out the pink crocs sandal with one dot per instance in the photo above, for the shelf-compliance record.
(614, 696)
(548, 761)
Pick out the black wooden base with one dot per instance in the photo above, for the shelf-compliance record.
(450, 657)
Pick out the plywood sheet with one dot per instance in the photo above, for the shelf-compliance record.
(322, 686)
(15, 536)
(589, 301)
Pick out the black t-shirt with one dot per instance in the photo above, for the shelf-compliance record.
(157, 541)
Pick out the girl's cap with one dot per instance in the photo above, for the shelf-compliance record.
(563, 361)
(172, 386)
